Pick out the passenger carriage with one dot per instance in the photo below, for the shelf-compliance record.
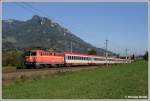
(42, 58)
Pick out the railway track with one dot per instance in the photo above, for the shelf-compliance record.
(29, 73)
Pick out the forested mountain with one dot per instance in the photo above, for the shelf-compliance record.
(42, 32)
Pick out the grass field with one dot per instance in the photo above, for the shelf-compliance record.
(115, 81)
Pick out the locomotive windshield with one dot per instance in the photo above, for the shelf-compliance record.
(30, 53)
(33, 53)
(27, 53)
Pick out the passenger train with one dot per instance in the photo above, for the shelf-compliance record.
(41, 58)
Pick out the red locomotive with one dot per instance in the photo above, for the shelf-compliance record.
(42, 58)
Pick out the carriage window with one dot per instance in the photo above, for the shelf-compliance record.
(69, 57)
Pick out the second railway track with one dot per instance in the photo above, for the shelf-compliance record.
(29, 73)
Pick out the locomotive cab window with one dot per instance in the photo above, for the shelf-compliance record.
(27, 53)
(33, 53)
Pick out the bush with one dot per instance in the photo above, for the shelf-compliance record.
(12, 58)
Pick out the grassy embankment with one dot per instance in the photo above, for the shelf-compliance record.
(115, 81)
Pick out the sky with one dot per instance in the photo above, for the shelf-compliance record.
(124, 25)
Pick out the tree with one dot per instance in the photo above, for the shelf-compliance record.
(146, 55)
(12, 58)
(92, 52)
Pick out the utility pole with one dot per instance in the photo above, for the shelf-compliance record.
(71, 46)
(65, 41)
(126, 54)
(106, 53)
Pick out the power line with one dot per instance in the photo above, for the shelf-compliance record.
(43, 13)
(35, 9)
(26, 8)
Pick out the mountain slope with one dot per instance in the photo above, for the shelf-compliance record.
(42, 32)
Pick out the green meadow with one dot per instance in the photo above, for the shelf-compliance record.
(112, 82)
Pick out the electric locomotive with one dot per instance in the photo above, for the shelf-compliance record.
(41, 58)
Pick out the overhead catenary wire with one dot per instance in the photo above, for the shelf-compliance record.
(117, 48)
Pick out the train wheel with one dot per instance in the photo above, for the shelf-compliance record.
(38, 66)
(68, 65)
(49, 66)
(57, 65)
